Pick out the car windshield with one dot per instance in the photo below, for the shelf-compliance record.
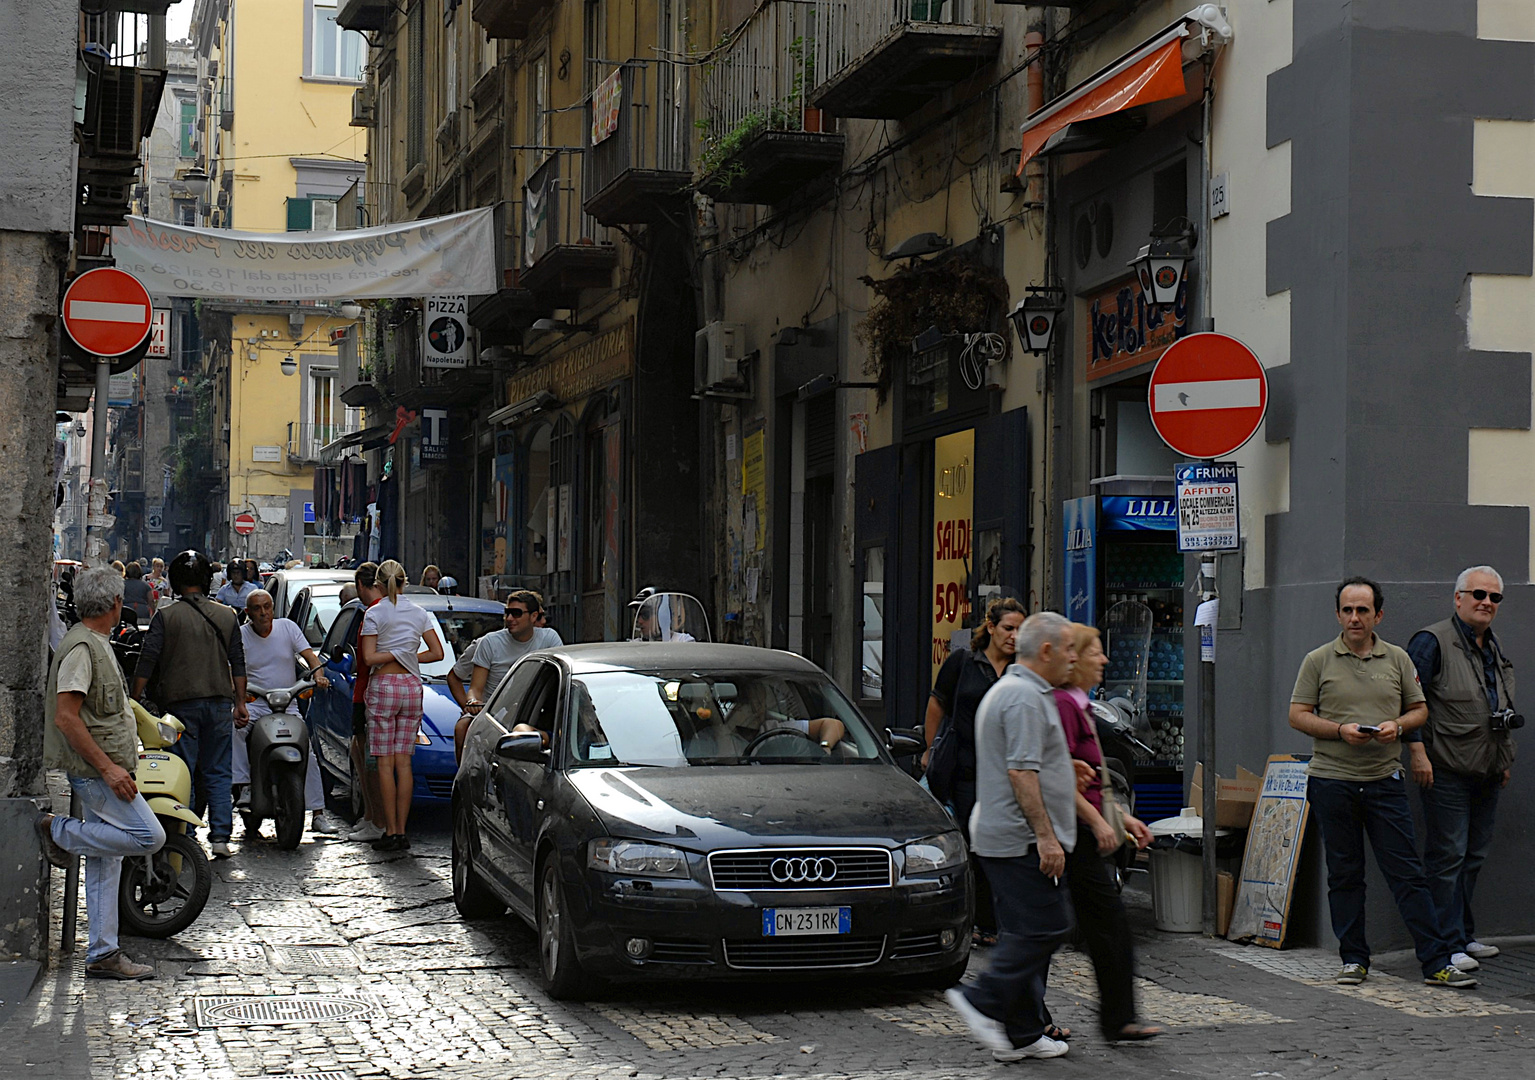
(458, 629)
(677, 719)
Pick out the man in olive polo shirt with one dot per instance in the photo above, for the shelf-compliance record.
(1355, 696)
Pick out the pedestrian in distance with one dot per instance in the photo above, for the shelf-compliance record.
(156, 576)
(962, 682)
(193, 664)
(138, 594)
(1463, 757)
(273, 649)
(92, 735)
(372, 825)
(122, 571)
(394, 632)
(1102, 827)
(487, 660)
(1023, 825)
(1355, 696)
(431, 577)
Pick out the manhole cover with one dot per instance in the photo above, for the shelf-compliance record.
(292, 1009)
(334, 1075)
(245, 950)
(314, 957)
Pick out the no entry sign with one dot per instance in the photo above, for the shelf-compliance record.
(107, 312)
(1208, 394)
(245, 524)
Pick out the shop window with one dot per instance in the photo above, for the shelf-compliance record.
(872, 681)
(927, 383)
(1126, 444)
(539, 519)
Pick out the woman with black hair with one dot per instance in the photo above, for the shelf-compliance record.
(957, 692)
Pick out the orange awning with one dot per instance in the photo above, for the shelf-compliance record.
(1157, 75)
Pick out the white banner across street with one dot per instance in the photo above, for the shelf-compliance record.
(453, 254)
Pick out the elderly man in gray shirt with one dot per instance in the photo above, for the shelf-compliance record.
(1024, 822)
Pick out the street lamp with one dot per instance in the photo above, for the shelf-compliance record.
(1161, 264)
(289, 365)
(195, 180)
(1035, 316)
(351, 309)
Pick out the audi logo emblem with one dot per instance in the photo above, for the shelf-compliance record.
(790, 871)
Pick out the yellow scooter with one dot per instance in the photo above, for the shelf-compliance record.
(160, 894)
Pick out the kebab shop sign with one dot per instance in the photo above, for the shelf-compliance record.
(953, 525)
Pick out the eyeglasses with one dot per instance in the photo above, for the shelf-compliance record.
(515, 612)
(1483, 594)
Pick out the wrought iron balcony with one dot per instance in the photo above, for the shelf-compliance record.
(507, 18)
(883, 60)
(637, 167)
(305, 441)
(564, 249)
(763, 138)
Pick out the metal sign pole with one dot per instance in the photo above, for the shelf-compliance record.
(1211, 783)
(71, 886)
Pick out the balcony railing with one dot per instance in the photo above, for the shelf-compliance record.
(883, 60)
(763, 138)
(638, 138)
(305, 441)
(564, 249)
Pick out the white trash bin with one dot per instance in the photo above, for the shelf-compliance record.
(1177, 877)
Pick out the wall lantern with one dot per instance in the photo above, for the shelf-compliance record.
(1035, 316)
(1162, 264)
(289, 365)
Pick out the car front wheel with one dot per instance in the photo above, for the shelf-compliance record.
(563, 977)
(471, 895)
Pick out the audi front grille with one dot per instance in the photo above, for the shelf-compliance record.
(804, 952)
(800, 868)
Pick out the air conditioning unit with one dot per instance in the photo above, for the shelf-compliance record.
(363, 113)
(718, 352)
(323, 217)
(121, 103)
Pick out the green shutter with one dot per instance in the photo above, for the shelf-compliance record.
(300, 215)
(188, 126)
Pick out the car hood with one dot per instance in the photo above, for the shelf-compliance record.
(439, 711)
(727, 806)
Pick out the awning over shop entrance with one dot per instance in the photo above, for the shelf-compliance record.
(366, 439)
(1151, 72)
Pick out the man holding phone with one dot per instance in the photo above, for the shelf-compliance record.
(1355, 697)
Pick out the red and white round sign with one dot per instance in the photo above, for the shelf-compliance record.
(107, 311)
(1208, 394)
(245, 524)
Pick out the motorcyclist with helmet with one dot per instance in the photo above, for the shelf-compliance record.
(193, 663)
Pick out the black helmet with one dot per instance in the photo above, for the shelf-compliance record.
(190, 568)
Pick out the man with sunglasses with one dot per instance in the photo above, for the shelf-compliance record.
(1355, 697)
(485, 663)
(1463, 756)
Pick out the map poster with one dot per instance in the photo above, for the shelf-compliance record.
(1269, 865)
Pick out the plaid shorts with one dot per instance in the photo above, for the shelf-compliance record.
(394, 714)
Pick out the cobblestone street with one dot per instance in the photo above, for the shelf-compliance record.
(370, 945)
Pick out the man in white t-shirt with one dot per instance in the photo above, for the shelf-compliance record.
(273, 648)
(486, 662)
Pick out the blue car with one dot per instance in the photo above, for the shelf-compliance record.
(460, 620)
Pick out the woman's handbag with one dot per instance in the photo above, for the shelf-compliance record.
(943, 761)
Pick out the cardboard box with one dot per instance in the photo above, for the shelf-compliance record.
(1225, 900)
(1235, 800)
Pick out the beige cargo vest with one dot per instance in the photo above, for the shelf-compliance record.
(1459, 735)
(106, 712)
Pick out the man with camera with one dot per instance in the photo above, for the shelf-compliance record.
(1462, 757)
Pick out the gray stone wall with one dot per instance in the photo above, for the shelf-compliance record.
(37, 84)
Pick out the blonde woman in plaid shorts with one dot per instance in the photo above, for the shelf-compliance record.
(394, 632)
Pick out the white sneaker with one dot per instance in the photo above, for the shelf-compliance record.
(988, 1032)
(323, 822)
(221, 849)
(1480, 951)
(1463, 962)
(1042, 1047)
(365, 832)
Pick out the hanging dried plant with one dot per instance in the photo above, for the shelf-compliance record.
(957, 295)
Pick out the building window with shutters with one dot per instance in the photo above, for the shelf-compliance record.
(383, 150)
(415, 87)
(538, 102)
(187, 129)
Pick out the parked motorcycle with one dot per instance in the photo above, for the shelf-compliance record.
(161, 894)
(279, 755)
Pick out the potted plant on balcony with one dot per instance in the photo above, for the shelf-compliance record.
(802, 53)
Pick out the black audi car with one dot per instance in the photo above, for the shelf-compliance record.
(679, 811)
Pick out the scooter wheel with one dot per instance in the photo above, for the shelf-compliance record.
(290, 808)
(161, 894)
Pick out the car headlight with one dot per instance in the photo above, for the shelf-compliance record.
(636, 857)
(934, 853)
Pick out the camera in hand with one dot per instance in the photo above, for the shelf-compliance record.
(1507, 720)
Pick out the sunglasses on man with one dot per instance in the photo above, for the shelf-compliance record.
(516, 612)
(1483, 594)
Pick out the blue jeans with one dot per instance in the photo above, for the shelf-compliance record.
(1458, 815)
(1348, 811)
(206, 749)
(1033, 916)
(111, 828)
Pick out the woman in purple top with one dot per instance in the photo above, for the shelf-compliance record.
(1094, 894)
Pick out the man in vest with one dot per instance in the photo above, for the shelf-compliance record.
(1462, 758)
(196, 659)
(92, 736)
(1355, 697)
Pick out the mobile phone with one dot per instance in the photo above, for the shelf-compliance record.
(1369, 729)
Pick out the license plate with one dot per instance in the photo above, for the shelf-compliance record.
(805, 922)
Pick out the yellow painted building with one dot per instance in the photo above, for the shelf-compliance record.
(276, 79)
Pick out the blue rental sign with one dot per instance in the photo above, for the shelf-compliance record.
(1137, 513)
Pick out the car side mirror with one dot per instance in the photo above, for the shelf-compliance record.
(343, 662)
(521, 747)
(903, 745)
